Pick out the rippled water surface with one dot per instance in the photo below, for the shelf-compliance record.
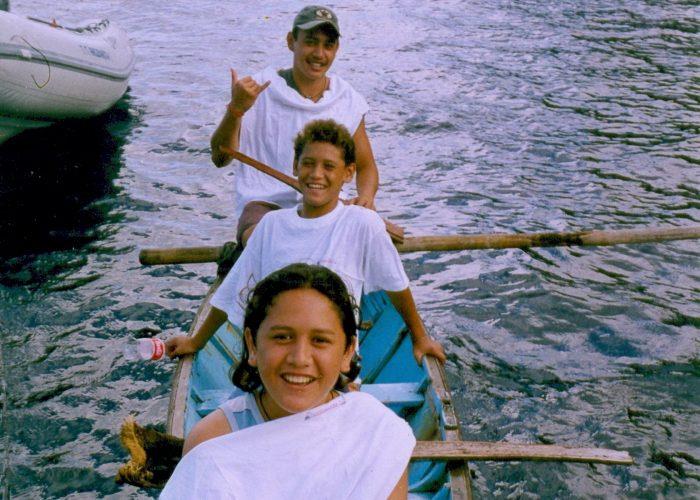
(486, 116)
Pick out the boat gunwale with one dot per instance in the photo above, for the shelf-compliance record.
(180, 385)
(460, 476)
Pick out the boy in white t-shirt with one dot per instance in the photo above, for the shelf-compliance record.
(350, 240)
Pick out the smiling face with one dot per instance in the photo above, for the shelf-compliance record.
(314, 52)
(321, 171)
(300, 350)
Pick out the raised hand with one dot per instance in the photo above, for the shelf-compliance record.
(244, 92)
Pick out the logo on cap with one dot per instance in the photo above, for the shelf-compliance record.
(324, 14)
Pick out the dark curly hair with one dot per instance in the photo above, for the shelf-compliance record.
(293, 277)
(326, 131)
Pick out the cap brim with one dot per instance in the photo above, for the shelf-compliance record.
(312, 24)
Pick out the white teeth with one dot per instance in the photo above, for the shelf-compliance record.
(297, 379)
(316, 186)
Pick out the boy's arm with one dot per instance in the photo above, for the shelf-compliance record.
(225, 295)
(367, 173)
(422, 343)
(244, 92)
(181, 345)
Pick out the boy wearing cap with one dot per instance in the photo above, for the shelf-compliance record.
(267, 111)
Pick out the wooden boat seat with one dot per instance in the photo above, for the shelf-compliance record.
(401, 398)
(398, 397)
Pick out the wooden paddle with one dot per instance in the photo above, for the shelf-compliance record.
(396, 232)
(501, 451)
(193, 255)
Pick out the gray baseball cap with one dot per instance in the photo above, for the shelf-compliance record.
(315, 15)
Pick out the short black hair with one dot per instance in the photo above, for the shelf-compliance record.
(328, 131)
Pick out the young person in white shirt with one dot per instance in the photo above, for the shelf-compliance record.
(267, 110)
(293, 417)
(350, 240)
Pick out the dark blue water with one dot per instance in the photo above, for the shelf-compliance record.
(486, 116)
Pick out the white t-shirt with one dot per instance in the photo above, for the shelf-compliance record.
(351, 241)
(352, 447)
(270, 126)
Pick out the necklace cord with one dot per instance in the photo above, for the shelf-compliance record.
(266, 416)
(288, 77)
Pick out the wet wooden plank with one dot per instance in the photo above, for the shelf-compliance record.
(502, 451)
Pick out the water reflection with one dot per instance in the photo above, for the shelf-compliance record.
(57, 188)
(488, 116)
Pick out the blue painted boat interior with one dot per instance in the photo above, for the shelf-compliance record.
(389, 372)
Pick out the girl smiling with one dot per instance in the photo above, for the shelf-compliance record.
(300, 331)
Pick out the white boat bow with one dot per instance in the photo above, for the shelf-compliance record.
(49, 72)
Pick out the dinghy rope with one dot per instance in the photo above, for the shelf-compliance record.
(48, 63)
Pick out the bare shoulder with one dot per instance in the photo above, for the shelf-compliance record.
(400, 491)
(213, 425)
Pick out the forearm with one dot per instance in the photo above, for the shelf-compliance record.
(214, 319)
(227, 134)
(367, 180)
(367, 173)
(423, 345)
(405, 305)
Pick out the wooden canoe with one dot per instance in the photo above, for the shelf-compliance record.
(389, 372)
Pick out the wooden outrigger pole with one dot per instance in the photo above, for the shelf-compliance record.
(194, 255)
